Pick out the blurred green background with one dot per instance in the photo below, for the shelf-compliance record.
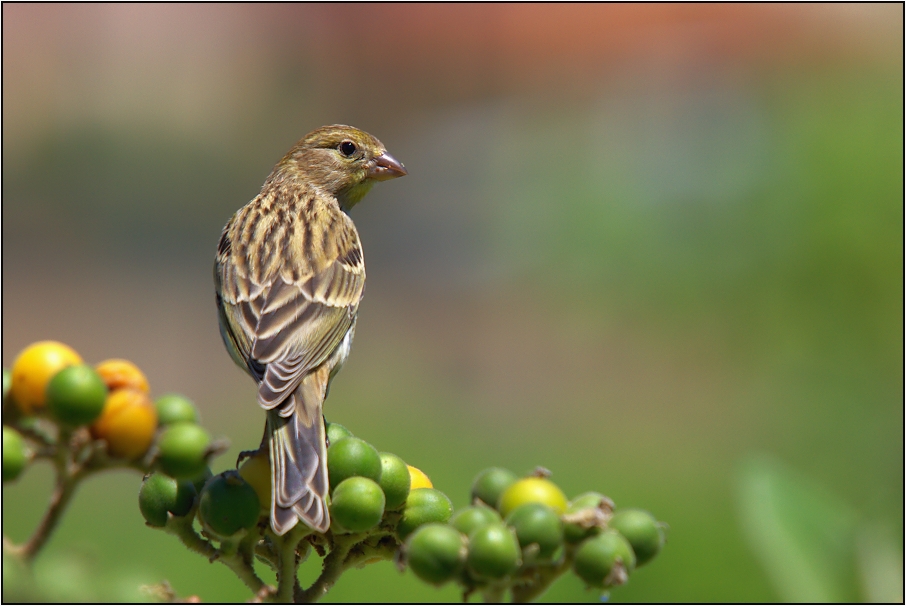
(657, 249)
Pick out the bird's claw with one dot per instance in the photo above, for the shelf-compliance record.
(246, 454)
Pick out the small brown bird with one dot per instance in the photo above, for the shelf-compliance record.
(289, 277)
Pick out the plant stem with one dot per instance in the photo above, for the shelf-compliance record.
(182, 528)
(232, 558)
(383, 548)
(333, 567)
(544, 576)
(68, 476)
(62, 494)
(286, 575)
(245, 572)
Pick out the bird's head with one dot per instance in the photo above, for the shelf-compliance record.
(342, 160)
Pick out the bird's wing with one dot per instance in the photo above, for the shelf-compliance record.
(287, 321)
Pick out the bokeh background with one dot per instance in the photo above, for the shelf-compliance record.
(657, 249)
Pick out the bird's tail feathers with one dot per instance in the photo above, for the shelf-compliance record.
(298, 452)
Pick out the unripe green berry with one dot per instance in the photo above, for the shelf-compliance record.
(490, 484)
(423, 506)
(470, 519)
(604, 560)
(357, 504)
(160, 494)
(395, 480)
(14, 455)
(537, 524)
(436, 553)
(76, 395)
(493, 552)
(641, 530)
(183, 448)
(228, 504)
(575, 532)
(201, 478)
(173, 408)
(336, 432)
(349, 457)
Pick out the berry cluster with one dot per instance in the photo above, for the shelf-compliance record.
(375, 501)
(520, 534)
(86, 419)
(517, 536)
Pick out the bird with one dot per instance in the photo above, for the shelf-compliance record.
(289, 277)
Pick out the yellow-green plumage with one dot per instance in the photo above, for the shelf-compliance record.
(289, 276)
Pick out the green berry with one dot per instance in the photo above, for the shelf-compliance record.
(574, 532)
(436, 553)
(199, 480)
(537, 524)
(173, 408)
(336, 432)
(490, 484)
(14, 455)
(357, 504)
(160, 494)
(470, 519)
(183, 448)
(395, 480)
(641, 530)
(76, 395)
(349, 457)
(604, 560)
(228, 504)
(493, 552)
(424, 505)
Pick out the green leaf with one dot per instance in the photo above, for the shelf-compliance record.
(802, 535)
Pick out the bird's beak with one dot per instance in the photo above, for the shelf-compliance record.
(386, 167)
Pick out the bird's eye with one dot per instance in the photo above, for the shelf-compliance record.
(347, 148)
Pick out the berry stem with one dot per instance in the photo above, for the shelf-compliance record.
(334, 565)
(541, 580)
(245, 571)
(377, 547)
(287, 582)
(182, 528)
(68, 475)
(232, 558)
(62, 494)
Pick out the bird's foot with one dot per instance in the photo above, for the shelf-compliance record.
(246, 454)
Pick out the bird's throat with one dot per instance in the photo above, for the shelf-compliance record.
(354, 194)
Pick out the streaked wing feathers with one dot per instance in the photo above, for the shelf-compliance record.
(291, 318)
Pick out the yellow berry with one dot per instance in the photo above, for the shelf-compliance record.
(532, 490)
(33, 370)
(419, 479)
(256, 470)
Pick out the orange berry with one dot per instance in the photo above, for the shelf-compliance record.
(128, 423)
(33, 369)
(118, 374)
